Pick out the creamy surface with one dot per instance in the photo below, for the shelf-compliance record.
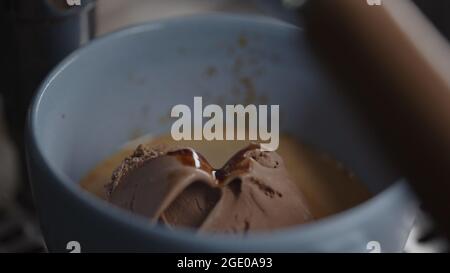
(327, 186)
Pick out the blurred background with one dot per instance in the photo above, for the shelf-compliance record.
(38, 34)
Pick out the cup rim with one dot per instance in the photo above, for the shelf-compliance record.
(281, 239)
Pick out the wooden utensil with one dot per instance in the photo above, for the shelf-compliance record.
(396, 66)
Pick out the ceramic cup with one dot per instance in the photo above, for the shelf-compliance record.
(127, 82)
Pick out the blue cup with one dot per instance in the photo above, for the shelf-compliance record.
(98, 97)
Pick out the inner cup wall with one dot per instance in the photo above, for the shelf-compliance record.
(124, 86)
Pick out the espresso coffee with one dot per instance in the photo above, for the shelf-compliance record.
(326, 184)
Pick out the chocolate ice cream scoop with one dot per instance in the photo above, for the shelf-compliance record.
(178, 187)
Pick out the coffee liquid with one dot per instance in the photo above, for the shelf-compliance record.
(327, 185)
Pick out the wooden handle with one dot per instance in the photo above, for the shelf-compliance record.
(397, 68)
